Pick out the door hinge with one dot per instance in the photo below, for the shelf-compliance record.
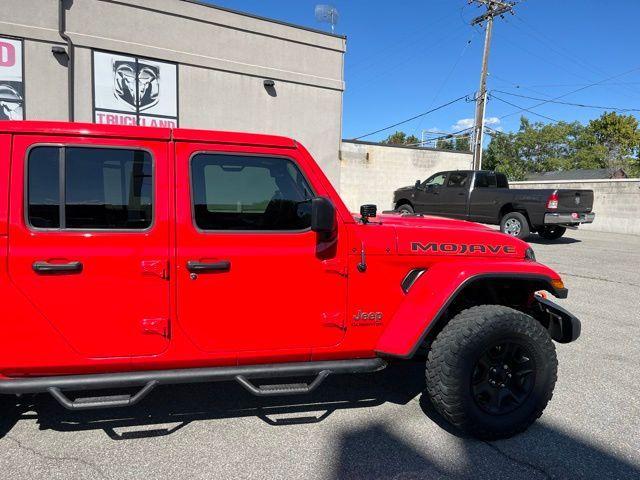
(156, 326)
(335, 266)
(156, 268)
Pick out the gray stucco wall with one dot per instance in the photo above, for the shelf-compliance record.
(371, 172)
(616, 202)
(223, 58)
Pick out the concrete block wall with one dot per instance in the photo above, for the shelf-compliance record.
(370, 172)
(616, 202)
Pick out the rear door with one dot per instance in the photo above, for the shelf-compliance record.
(252, 277)
(89, 240)
(483, 200)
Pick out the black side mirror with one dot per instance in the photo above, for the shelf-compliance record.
(367, 212)
(417, 185)
(323, 215)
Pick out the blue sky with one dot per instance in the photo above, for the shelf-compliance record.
(406, 57)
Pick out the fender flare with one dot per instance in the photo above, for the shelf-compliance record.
(404, 335)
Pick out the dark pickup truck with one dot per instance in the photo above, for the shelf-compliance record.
(484, 196)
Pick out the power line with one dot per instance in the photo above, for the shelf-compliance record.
(557, 47)
(414, 117)
(446, 79)
(494, 8)
(522, 109)
(571, 92)
(570, 103)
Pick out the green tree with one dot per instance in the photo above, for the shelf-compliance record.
(401, 138)
(463, 144)
(617, 138)
(445, 144)
(610, 141)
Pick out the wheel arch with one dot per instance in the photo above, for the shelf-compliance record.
(404, 334)
(403, 201)
(512, 207)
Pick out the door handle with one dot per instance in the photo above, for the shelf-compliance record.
(195, 266)
(46, 267)
(461, 193)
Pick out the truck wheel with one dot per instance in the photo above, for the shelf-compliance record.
(515, 224)
(552, 233)
(491, 371)
(404, 208)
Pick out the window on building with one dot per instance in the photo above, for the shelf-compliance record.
(458, 179)
(486, 180)
(232, 192)
(103, 188)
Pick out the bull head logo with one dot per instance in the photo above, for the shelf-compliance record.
(11, 101)
(136, 84)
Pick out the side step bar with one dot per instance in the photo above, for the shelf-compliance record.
(148, 380)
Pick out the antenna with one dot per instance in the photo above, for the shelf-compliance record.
(327, 14)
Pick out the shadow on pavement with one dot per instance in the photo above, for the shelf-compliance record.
(379, 451)
(183, 404)
(376, 452)
(538, 240)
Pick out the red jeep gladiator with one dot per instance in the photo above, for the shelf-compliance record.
(136, 257)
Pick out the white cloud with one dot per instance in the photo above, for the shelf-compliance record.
(468, 123)
(462, 124)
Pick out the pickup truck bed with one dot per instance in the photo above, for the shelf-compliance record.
(484, 196)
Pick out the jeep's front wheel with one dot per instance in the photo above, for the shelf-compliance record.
(491, 371)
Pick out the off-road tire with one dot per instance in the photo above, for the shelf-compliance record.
(525, 230)
(453, 358)
(404, 208)
(552, 233)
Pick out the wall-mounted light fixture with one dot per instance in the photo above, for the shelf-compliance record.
(60, 52)
(268, 83)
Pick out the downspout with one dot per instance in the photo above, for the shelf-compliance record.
(62, 27)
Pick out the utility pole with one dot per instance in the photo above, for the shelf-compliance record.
(494, 8)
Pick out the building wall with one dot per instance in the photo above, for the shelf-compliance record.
(616, 202)
(222, 56)
(370, 173)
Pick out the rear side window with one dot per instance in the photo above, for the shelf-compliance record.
(485, 180)
(502, 180)
(232, 192)
(100, 188)
(44, 187)
(458, 179)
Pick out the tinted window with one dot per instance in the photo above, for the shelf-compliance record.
(108, 188)
(103, 188)
(437, 179)
(458, 179)
(44, 187)
(232, 192)
(502, 180)
(485, 180)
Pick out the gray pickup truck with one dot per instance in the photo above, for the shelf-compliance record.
(485, 197)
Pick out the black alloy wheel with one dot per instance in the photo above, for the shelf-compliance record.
(503, 378)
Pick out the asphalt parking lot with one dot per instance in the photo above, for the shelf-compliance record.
(371, 426)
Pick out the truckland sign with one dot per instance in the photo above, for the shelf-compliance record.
(134, 91)
(11, 83)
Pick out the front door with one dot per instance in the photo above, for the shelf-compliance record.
(252, 277)
(427, 199)
(89, 240)
(453, 197)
